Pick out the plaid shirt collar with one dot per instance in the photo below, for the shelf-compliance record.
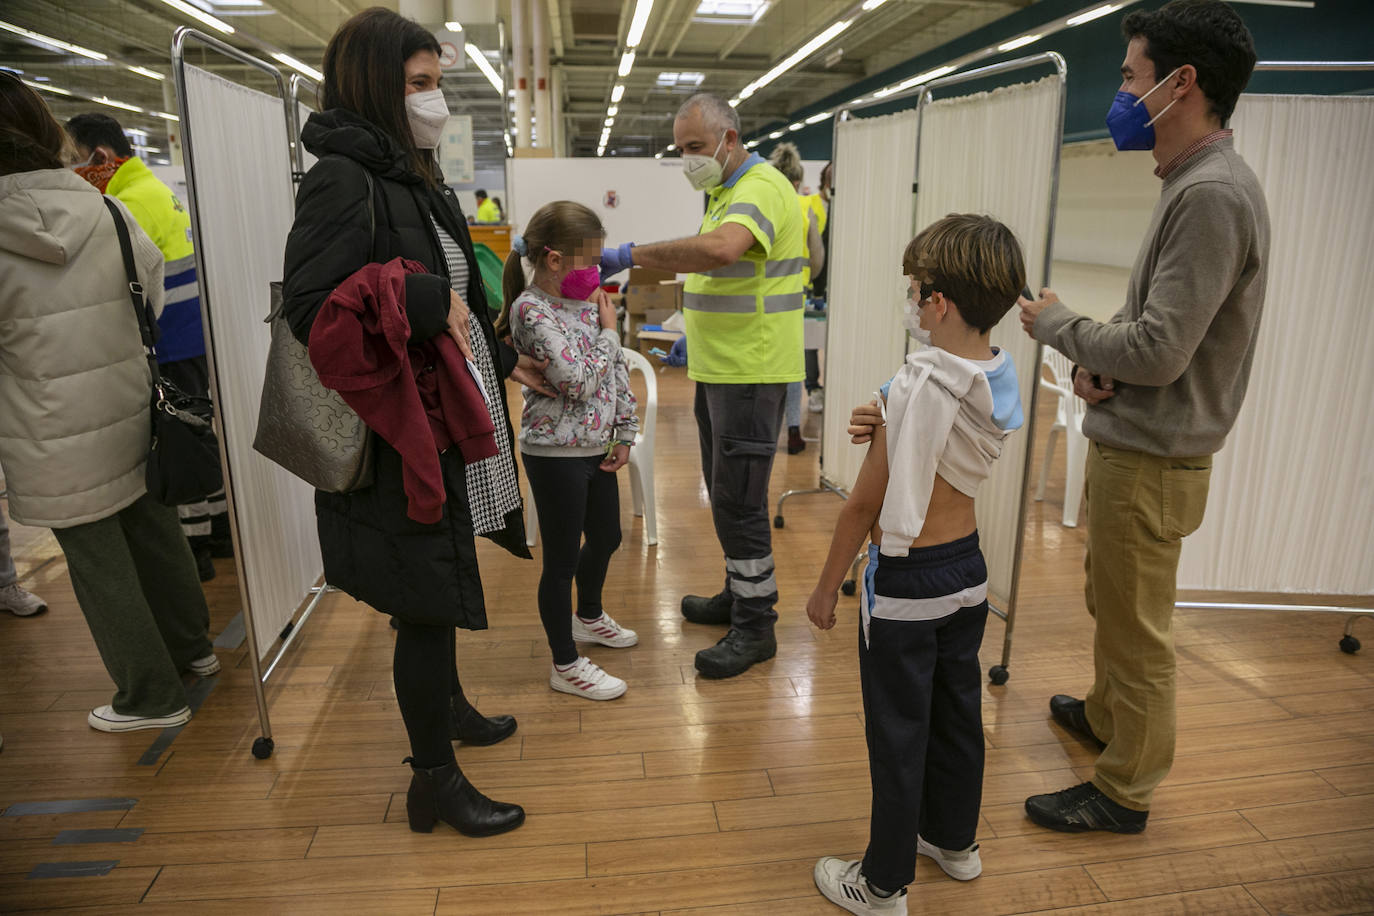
(1163, 171)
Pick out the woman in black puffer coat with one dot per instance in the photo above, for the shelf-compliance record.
(381, 120)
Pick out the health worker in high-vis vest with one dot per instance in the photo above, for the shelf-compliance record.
(107, 161)
(743, 304)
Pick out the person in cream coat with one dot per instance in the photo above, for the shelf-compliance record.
(74, 419)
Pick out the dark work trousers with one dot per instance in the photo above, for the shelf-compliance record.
(922, 692)
(813, 370)
(579, 530)
(208, 519)
(738, 426)
(425, 670)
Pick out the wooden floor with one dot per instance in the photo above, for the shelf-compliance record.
(684, 796)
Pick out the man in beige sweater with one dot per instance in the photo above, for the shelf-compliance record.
(1164, 380)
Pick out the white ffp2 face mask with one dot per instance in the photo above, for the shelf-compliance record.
(703, 172)
(427, 113)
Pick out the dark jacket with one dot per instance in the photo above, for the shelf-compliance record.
(421, 573)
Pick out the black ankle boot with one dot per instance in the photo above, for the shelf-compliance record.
(469, 726)
(444, 794)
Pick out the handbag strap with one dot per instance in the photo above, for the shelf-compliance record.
(137, 296)
(371, 213)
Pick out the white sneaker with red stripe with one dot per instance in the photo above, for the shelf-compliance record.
(605, 631)
(585, 678)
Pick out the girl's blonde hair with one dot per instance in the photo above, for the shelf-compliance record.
(560, 226)
(786, 159)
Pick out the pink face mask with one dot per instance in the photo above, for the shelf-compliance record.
(579, 284)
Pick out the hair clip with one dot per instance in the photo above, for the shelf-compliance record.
(519, 246)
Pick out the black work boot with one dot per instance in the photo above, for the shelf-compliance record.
(444, 794)
(1081, 808)
(469, 726)
(1073, 715)
(714, 610)
(736, 653)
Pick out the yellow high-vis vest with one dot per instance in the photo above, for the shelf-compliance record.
(744, 320)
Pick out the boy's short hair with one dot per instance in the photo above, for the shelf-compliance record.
(96, 129)
(1205, 33)
(974, 260)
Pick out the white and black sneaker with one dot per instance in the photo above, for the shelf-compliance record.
(585, 678)
(843, 885)
(959, 864)
(205, 667)
(605, 631)
(105, 719)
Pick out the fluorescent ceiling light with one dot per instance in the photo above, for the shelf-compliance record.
(298, 65)
(1090, 15)
(612, 111)
(817, 118)
(45, 87)
(54, 43)
(775, 135)
(164, 115)
(638, 22)
(872, 4)
(796, 126)
(199, 15)
(1018, 42)
(144, 71)
(453, 26)
(480, 59)
(730, 12)
(671, 147)
(610, 122)
(796, 57)
(751, 144)
(103, 100)
(617, 93)
(627, 62)
(658, 155)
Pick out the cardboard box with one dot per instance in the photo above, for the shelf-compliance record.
(658, 316)
(652, 289)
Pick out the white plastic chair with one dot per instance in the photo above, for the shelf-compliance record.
(1068, 419)
(641, 458)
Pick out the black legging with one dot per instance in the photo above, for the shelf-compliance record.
(574, 497)
(425, 670)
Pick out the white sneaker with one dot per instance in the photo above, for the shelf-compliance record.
(960, 864)
(815, 401)
(20, 601)
(605, 631)
(205, 667)
(842, 884)
(586, 679)
(105, 719)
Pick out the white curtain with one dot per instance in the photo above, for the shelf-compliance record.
(994, 153)
(241, 180)
(1291, 507)
(875, 162)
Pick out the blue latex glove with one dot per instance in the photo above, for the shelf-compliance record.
(677, 356)
(614, 260)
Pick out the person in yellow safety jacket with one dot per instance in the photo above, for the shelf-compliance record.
(487, 210)
(743, 304)
(787, 160)
(108, 162)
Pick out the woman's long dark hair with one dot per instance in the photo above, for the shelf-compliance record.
(30, 137)
(364, 72)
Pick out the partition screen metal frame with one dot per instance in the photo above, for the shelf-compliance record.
(924, 93)
(263, 746)
(1348, 641)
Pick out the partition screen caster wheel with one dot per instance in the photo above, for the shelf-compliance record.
(777, 521)
(1350, 645)
(998, 674)
(262, 748)
(848, 587)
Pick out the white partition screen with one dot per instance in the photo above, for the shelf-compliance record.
(995, 153)
(244, 208)
(871, 217)
(1292, 494)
